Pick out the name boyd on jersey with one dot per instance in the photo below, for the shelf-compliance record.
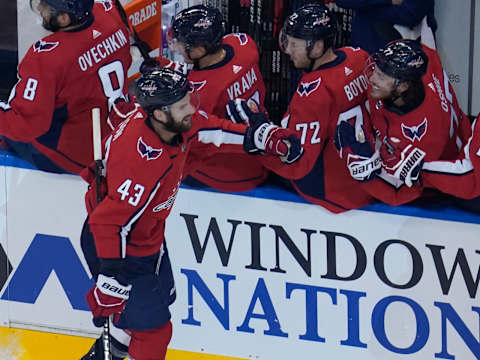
(356, 87)
(240, 87)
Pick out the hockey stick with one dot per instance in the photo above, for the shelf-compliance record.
(141, 44)
(97, 156)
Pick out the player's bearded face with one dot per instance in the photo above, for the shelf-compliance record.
(297, 50)
(381, 86)
(180, 119)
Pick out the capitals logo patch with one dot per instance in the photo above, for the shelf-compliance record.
(147, 151)
(42, 45)
(242, 38)
(107, 4)
(203, 23)
(197, 85)
(415, 132)
(306, 89)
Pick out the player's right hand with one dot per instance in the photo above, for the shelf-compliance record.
(356, 147)
(107, 297)
(243, 112)
(265, 137)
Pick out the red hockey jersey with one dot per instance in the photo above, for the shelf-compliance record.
(237, 76)
(437, 126)
(335, 90)
(459, 177)
(61, 78)
(143, 175)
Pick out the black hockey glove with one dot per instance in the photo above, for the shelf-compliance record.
(240, 111)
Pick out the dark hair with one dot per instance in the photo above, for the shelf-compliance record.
(414, 95)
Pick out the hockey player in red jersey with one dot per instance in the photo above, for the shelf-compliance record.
(414, 120)
(83, 64)
(123, 239)
(332, 86)
(224, 68)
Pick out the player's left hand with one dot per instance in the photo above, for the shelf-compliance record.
(401, 160)
(242, 111)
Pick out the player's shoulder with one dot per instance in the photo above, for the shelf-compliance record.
(239, 40)
(49, 47)
(311, 85)
(355, 55)
(103, 6)
(133, 142)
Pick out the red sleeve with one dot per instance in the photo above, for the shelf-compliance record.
(28, 114)
(459, 177)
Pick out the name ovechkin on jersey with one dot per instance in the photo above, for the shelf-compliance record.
(240, 87)
(101, 50)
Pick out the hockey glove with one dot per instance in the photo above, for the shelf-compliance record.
(121, 110)
(402, 161)
(240, 111)
(264, 137)
(107, 297)
(148, 64)
(357, 148)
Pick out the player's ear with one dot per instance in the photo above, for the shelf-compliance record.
(196, 52)
(63, 20)
(159, 115)
(318, 49)
(402, 87)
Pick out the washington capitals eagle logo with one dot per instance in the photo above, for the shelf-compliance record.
(203, 23)
(415, 132)
(242, 38)
(147, 151)
(306, 88)
(107, 4)
(42, 45)
(197, 85)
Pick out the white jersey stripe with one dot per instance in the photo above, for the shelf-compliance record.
(458, 167)
(125, 230)
(218, 137)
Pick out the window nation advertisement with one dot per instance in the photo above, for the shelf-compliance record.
(258, 277)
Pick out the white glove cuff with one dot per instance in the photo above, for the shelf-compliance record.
(110, 286)
(261, 135)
